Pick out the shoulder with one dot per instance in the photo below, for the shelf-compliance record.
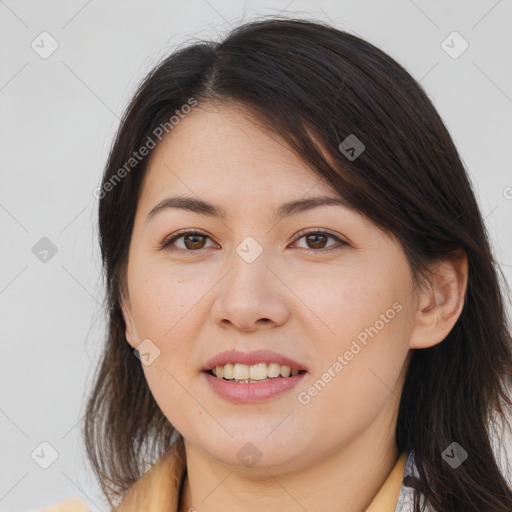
(71, 505)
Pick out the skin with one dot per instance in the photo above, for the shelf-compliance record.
(334, 452)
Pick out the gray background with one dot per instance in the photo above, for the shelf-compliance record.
(58, 117)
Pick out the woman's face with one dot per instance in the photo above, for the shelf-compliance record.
(340, 303)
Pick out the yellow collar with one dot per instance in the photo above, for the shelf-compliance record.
(385, 500)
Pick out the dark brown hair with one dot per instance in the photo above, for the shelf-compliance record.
(309, 81)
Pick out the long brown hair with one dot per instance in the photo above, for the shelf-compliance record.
(305, 78)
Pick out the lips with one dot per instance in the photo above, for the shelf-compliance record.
(252, 358)
(264, 391)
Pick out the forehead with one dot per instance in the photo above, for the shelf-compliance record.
(226, 150)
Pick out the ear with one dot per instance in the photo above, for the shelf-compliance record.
(130, 333)
(441, 301)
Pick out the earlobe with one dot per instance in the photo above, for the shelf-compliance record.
(130, 335)
(440, 302)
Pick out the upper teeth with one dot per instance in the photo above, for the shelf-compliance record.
(258, 371)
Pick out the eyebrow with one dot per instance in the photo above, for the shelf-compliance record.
(205, 208)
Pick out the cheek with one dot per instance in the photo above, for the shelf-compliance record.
(356, 383)
(362, 352)
(349, 303)
(168, 307)
(163, 308)
(162, 298)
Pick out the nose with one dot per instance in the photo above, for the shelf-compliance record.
(251, 297)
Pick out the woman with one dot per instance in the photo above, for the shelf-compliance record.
(304, 311)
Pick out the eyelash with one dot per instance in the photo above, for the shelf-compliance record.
(168, 241)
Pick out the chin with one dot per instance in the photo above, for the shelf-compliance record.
(255, 454)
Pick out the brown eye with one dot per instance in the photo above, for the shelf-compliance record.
(191, 241)
(316, 240)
